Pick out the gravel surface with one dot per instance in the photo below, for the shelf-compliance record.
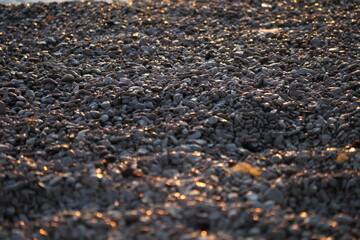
(180, 120)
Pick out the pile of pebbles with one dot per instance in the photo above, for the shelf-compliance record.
(124, 121)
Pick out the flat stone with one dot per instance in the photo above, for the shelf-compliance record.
(278, 234)
(95, 114)
(325, 139)
(68, 78)
(195, 135)
(275, 195)
(4, 147)
(2, 107)
(315, 42)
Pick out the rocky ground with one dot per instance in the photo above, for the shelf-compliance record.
(180, 120)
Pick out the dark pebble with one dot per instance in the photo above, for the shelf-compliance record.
(2, 107)
(68, 78)
(275, 195)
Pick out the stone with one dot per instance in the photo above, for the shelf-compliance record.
(68, 78)
(275, 195)
(2, 107)
(252, 197)
(315, 42)
(4, 147)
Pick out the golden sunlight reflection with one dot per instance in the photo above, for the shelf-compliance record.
(201, 184)
(43, 232)
(352, 149)
(273, 30)
(333, 223)
(330, 149)
(303, 214)
(258, 210)
(99, 173)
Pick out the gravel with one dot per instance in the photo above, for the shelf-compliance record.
(180, 120)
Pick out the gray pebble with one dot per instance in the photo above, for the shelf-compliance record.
(170, 173)
(315, 42)
(58, 166)
(275, 195)
(106, 104)
(277, 158)
(195, 135)
(104, 118)
(344, 219)
(4, 147)
(252, 197)
(2, 107)
(325, 139)
(68, 78)
(95, 114)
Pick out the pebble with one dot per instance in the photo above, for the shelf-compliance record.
(273, 194)
(94, 114)
(344, 219)
(4, 147)
(106, 104)
(2, 107)
(195, 135)
(325, 139)
(315, 42)
(279, 234)
(251, 196)
(68, 78)
(104, 118)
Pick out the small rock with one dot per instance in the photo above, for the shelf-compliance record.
(96, 71)
(336, 91)
(344, 219)
(104, 118)
(66, 161)
(303, 71)
(170, 173)
(252, 197)
(277, 158)
(315, 42)
(140, 106)
(4, 147)
(2, 107)
(275, 195)
(325, 139)
(142, 151)
(68, 78)
(278, 234)
(195, 135)
(131, 216)
(95, 114)
(81, 135)
(303, 156)
(155, 169)
(106, 104)
(108, 80)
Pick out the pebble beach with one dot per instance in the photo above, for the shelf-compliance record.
(180, 120)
